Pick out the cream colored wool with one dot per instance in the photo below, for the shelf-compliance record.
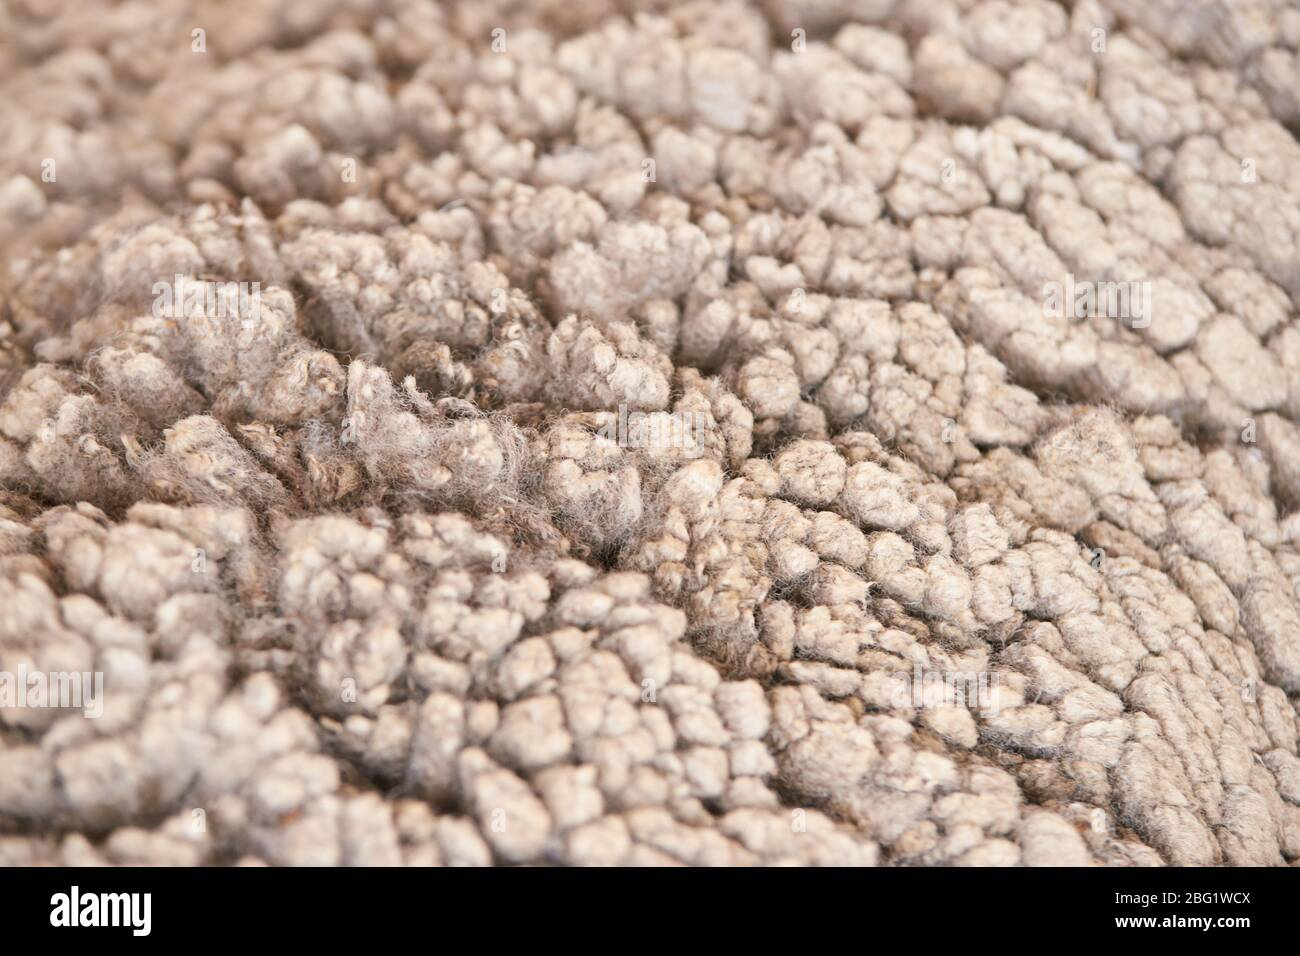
(374, 577)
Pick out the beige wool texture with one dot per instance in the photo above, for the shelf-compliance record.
(376, 570)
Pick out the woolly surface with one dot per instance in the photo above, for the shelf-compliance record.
(373, 579)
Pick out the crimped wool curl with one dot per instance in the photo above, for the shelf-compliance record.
(598, 436)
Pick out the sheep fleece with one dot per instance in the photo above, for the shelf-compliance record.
(596, 433)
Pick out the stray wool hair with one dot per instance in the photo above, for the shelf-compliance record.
(607, 433)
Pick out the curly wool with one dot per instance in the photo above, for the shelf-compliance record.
(375, 574)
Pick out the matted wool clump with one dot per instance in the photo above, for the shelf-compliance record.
(593, 432)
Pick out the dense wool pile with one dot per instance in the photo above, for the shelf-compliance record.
(386, 570)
